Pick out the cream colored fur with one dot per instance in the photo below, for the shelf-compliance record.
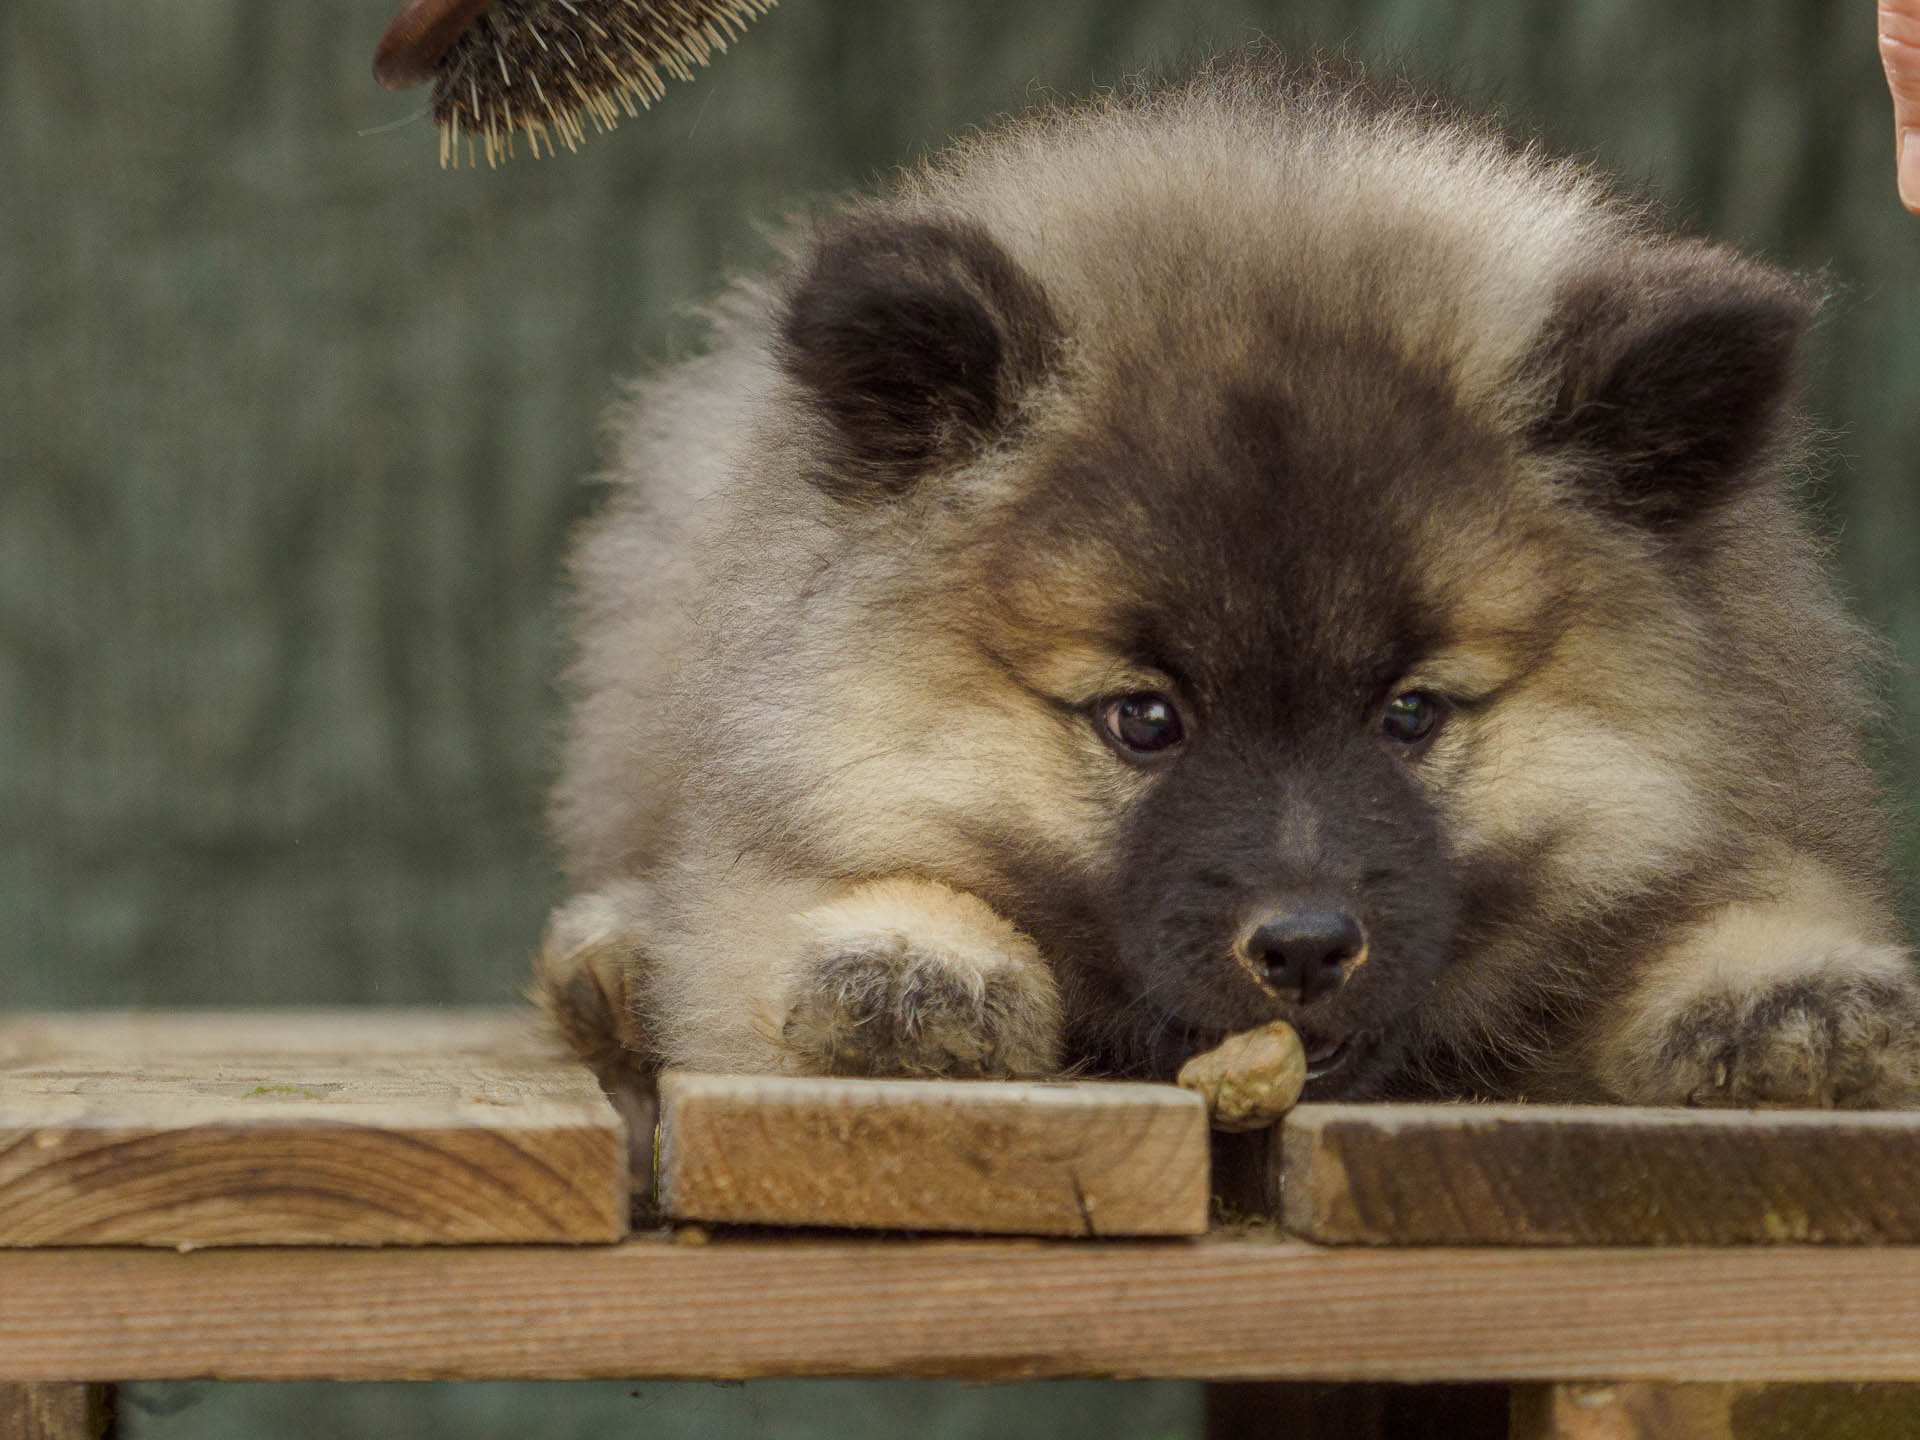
(762, 804)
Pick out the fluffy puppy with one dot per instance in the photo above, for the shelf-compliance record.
(1250, 548)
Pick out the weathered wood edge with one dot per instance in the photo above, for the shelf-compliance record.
(298, 1183)
(1081, 1158)
(1241, 1308)
(503, 1137)
(1596, 1175)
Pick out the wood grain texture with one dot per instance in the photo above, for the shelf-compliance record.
(1212, 1309)
(995, 1157)
(322, 1128)
(1547, 1175)
(1649, 1411)
(58, 1411)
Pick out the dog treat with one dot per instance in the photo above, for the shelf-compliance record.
(1251, 1079)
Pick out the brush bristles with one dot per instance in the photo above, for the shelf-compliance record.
(547, 69)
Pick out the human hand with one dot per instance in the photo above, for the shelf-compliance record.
(1900, 54)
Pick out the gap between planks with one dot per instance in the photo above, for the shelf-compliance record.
(1113, 1159)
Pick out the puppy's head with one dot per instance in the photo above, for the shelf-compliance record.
(1257, 662)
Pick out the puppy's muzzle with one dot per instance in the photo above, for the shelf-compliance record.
(1303, 954)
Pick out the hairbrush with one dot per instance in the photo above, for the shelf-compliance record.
(548, 69)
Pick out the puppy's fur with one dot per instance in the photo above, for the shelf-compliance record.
(1439, 495)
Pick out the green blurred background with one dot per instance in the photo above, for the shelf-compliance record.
(293, 426)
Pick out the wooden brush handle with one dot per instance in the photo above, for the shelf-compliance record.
(417, 37)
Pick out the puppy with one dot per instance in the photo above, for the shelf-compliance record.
(1258, 547)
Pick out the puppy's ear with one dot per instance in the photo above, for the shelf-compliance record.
(914, 339)
(1667, 381)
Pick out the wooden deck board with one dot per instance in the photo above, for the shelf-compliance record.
(357, 1127)
(1217, 1308)
(1010, 1158)
(1594, 1175)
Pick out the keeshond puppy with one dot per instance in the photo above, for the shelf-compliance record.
(1259, 547)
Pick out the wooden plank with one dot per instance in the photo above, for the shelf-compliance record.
(312, 1128)
(1648, 1411)
(1542, 1175)
(998, 1158)
(57, 1411)
(1239, 1308)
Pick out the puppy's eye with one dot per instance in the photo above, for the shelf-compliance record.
(1146, 724)
(1411, 718)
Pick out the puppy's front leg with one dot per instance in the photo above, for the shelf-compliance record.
(909, 977)
(1796, 1000)
(584, 980)
(583, 976)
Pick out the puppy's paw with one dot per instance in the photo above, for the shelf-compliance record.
(584, 979)
(895, 1009)
(1843, 1032)
(910, 978)
(584, 975)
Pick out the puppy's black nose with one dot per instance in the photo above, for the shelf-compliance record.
(1306, 953)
